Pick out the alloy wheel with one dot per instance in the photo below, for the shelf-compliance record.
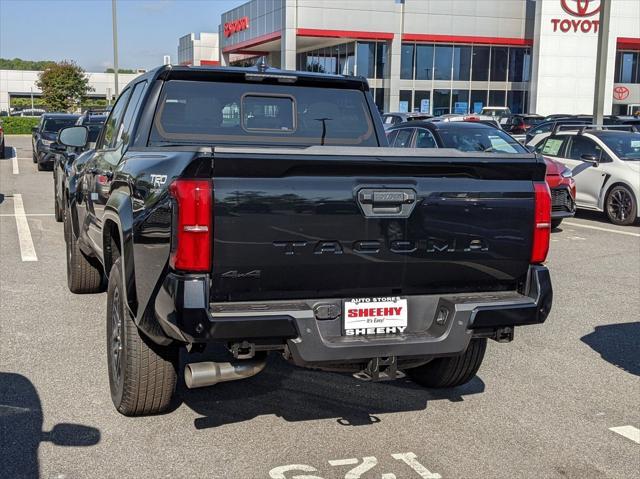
(115, 343)
(620, 205)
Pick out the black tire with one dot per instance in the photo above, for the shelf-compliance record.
(621, 206)
(142, 375)
(84, 275)
(39, 165)
(34, 157)
(2, 156)
(57, 211)
(555, 223)
(451, 371)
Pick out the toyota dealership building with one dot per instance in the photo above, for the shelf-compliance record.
(448, 56)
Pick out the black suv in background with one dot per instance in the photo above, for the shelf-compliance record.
(465, 136)
(64, 162)
(44, 137)
(93, 121)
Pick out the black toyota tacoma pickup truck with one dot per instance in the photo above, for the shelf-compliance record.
(260, 209)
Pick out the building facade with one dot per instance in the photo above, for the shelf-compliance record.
(441, 56)
(22, 84)
(198, 49)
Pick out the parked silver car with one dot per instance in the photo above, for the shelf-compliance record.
(605, 166)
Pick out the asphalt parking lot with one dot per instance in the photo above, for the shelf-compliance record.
(561, 401)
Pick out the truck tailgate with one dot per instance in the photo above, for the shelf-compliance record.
(369, 222)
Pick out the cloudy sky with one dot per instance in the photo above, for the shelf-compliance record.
(80, 30)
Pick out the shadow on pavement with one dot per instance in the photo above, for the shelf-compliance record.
(617, 344)
(298, 394)
(598, 217)
(21, 428)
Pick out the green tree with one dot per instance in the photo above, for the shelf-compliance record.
(64, 86)
(20, 64)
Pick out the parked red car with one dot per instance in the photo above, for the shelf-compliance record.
(563, 191)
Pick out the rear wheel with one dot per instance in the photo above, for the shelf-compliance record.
(2, 149)
(555, 223)
(621, 206)
(84, 275)
(452, 371)
(142, 375)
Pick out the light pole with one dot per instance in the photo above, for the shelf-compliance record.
(115, 45)
(602, 62)
(31, 88)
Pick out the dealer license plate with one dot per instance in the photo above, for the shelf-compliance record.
(373, 316)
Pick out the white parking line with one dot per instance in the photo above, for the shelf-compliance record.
(629, 432)
(14, 165)
(27, 250)
(608, 230)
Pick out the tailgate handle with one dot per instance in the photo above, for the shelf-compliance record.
(396, 203)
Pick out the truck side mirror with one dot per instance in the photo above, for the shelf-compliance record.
(75, 136)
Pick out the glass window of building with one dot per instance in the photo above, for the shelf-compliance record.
(422, 101)
(478, 100)
(480, 63)
(382, 60)
(347, 59)
(519, 64)
(499, 56)
(526, 69)
(443, 62)
(405, 101)
(461, 63)
(460, 102)
(516, 101)
(365, 57)
(313, 64)
(407, 61)
(497, 98)
(339, 59)
(424, 62)
(628, 62)
(441, 102)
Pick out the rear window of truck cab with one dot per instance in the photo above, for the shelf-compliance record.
(198, 112)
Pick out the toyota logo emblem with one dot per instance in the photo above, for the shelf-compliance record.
(581, 8)
(620, 93)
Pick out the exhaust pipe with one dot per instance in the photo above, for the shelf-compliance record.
(208, 373)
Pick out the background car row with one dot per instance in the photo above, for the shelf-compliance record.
(598, 169)
(586, 168)
(475, 136)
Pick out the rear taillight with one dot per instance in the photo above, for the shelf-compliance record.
(542, 226)
(191, 239)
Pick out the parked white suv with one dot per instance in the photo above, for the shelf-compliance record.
(605, 166)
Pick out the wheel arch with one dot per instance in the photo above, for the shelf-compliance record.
(117, 242)
(607, 189)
